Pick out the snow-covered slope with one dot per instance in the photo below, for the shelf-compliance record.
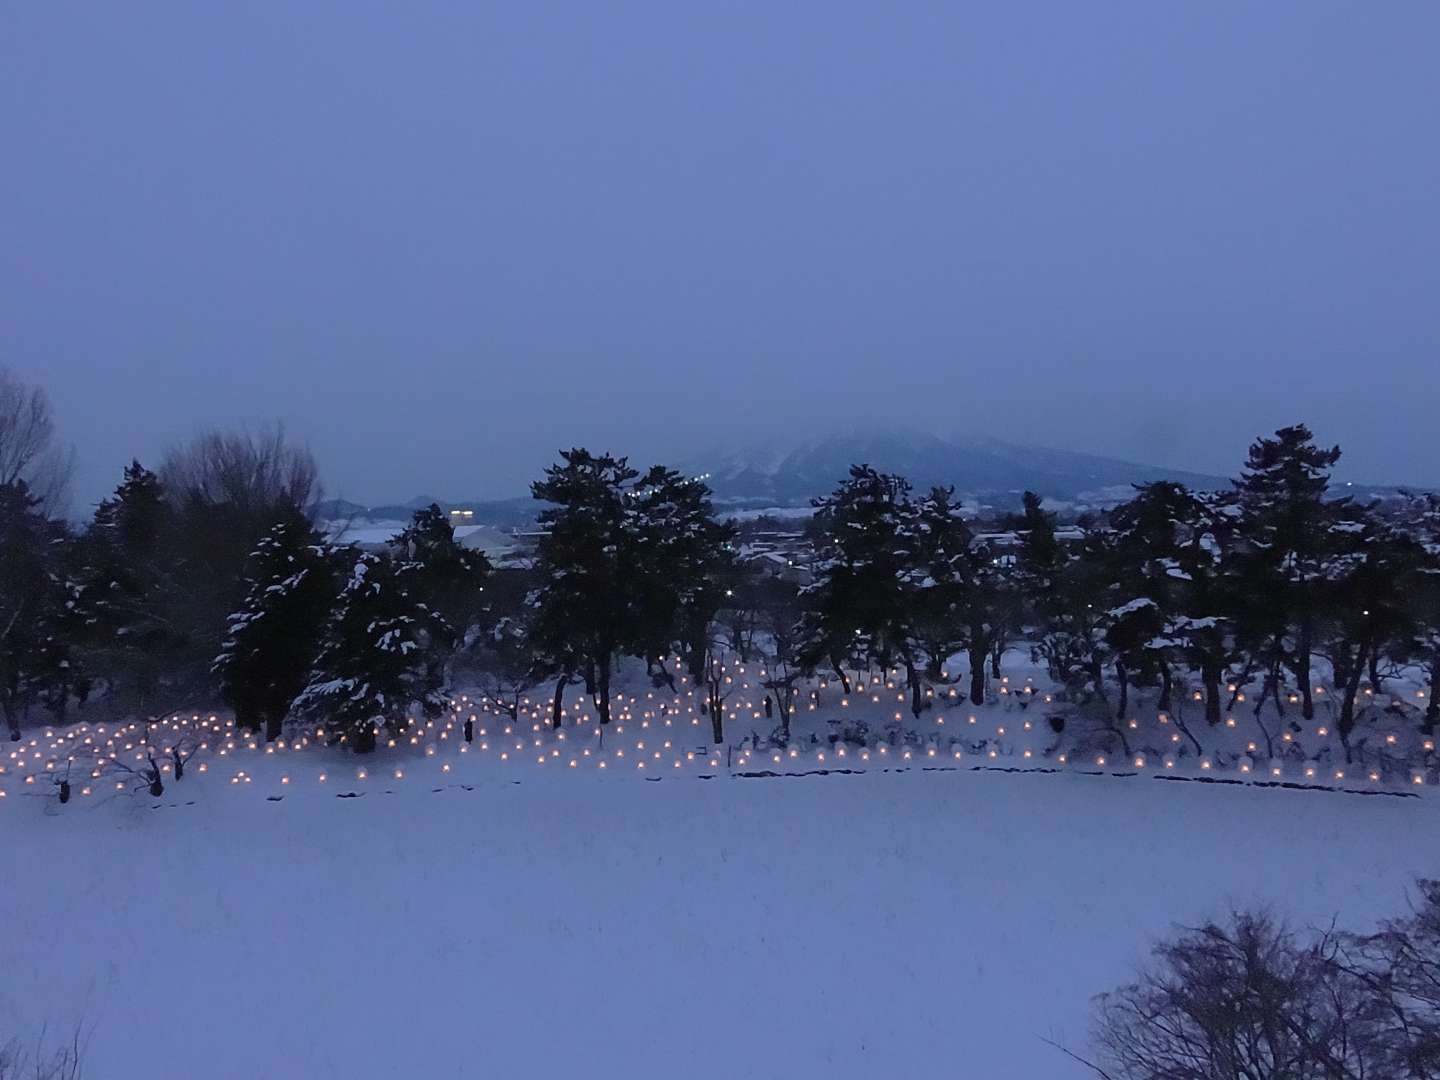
(917, 925)
(512, 907)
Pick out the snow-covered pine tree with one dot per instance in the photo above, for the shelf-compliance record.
(374, 662)
(440, 572)
(681, 561)
(1067, 593)
(37, 605)
(128, 585)
(1168, 547)
(1039, 557)
(1284, 525)
(1421, 592)
(1361, 603)
(585, 602)
(944, 548)
(266, 657)
(1074, 618)
(860, 608)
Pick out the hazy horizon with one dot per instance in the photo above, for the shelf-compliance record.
(442, 241)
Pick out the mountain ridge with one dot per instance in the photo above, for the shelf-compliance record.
(790, 473)
(974, 465)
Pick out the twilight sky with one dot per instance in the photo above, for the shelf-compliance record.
(441, 240)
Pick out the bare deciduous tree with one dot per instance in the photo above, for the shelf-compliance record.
(1400, 965)
(28, 447)
(250, 472)
(64, 1062)
(1243, 1001)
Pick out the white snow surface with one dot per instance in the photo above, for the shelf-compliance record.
(937, 911)
(518, 921)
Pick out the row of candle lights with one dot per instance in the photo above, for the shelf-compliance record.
(228, 740)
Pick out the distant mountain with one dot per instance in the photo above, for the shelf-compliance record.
(340, 510)
(986, 468)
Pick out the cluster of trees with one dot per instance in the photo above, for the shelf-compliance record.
(627, 564)
(206, 579)
(1230, 589)
(1250, 1000)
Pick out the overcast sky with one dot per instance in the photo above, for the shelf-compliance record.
(442, 240)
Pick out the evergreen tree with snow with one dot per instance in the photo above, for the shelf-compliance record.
(945, 595)
(1360, 602)
(374, 664)
(1169, 550)
(1039, 557)
(130, 590)
(1420, 592)
(448, 578)
(442, 573)
(1285, 529)
(266, 658)
(860, 606)
(1073, 617)
(37, 608)
(585, 602)
(682, 563)
(1067, 594)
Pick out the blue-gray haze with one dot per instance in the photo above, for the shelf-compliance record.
(442, 239)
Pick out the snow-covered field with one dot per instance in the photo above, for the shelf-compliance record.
(484, 922)
(533, 904)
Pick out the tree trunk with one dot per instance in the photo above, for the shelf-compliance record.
(840, 673)
(1122, 676)
(557, 703)
(1375, 670)
(1167, 686)
(997, 649)
(978, 652)
(602, 690)
(917, 697)
(717, 714)
(274, 726)
(782, 699)
(1210, 672)
(1347, 706)
(695, 658)
(1302, 671)
(1432, 710)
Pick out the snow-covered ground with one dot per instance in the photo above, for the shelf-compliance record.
(455, 914)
